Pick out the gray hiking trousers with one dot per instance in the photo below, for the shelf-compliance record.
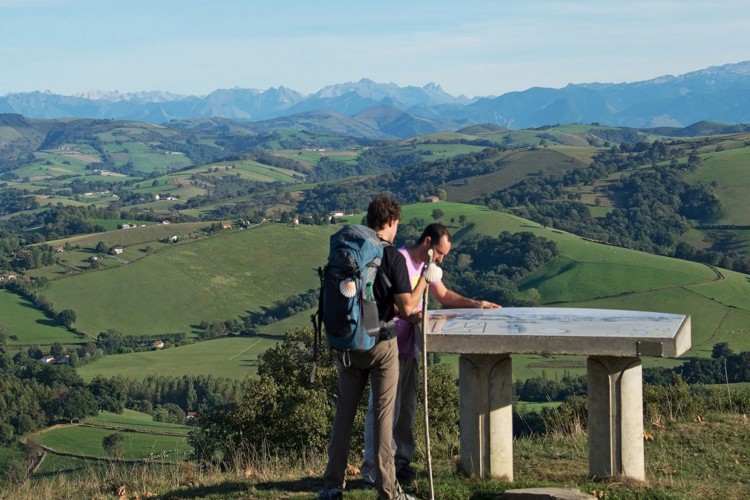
(381, 365)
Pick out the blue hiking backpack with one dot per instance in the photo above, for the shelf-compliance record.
(346, 304)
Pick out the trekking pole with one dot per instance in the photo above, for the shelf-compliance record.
(425, 297)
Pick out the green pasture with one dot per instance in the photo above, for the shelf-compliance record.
(137, 243)
(214, 279)
(711, 321)
(517, 166)
(424, 211)
(135, 420)
(144, 158)
(255, 171)
(58, 464)
(59, 165)
(86, 441)
(230, 357)
(310, 158)
(439, 136)
(574, 276)
(19, 318)
(247, 169)
(525, 407)
(430, 151)
(41, 174)
(133, 236)
(730, 170)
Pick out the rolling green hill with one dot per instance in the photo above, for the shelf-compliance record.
(230, 357)
(215, 279)
(235, 272)
(516, 166)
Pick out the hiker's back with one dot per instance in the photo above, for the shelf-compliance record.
(347, 302)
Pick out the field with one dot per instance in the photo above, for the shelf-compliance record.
(730, 170)
(136, 421)
(78, 449)
(215, 279)
(517, 166)
(231, 357)
(166, 288)
(82, 441)
(24, 325)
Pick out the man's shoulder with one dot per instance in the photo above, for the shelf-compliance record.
(393, 258)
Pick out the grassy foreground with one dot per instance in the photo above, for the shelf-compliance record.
(704, 458)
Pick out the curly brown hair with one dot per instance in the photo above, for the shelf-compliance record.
(382, 210)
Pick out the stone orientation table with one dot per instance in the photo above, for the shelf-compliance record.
(614, 342)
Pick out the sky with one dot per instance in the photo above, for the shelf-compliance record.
(468, 47)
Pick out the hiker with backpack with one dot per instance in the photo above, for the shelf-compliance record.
(437, 238)
(365, 345)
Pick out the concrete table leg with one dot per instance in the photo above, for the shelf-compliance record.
(486, 426)
(615, 402)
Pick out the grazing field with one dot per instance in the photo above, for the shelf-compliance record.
(87, 442)
(24, 325)
(433, 151)
(309, 158)
(135, 420)
(133, 236)
(730, 170)
(516, 166)
(144, 438)
(231, 357)
(215, 279)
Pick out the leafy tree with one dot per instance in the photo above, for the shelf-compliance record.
(280, 410)
(72, 404)
(101, 248)
(113, 444)
(170, 413)
(67, 317)
(109, 393)
(721, 350)
(437, 214)
(57, 350)
(111, 342)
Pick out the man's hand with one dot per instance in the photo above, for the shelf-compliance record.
(415, 318)
(485, 304)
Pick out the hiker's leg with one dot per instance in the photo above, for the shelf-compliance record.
(403, 430)
(384, 379)
(351, 383)
(368, 460)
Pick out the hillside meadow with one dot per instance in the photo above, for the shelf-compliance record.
(585, 274)
(143, 438)
(214, 279)
(231, 357)
(24, 325)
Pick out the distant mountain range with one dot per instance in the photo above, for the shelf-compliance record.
(376, 110)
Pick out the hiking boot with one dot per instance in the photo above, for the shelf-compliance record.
(405, 496)
(332, 494)
(405, 473)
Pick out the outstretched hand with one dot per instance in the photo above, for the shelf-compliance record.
(485, 304)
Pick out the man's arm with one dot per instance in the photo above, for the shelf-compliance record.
(406, 303)
(449, 298)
